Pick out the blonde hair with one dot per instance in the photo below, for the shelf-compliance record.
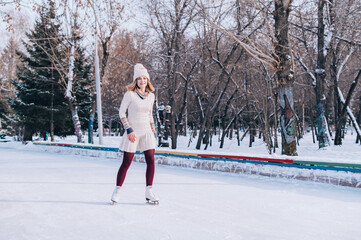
(134, 86)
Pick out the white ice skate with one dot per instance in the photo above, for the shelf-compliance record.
(150, 196)
(116, 195)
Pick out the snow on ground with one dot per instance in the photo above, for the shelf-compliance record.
(348, 152)
(62, 196)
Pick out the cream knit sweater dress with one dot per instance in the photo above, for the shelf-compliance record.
(140, 120)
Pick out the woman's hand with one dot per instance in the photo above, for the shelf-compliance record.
(131, 137)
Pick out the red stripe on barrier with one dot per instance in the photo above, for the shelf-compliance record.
(62, 144)
(246, 158)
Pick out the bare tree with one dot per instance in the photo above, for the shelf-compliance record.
(125, 50)
(170, 20)
(337, 40)
(341, 54)
(108, 14)
(280, 60)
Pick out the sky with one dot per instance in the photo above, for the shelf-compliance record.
(25, 15)
(132, 19)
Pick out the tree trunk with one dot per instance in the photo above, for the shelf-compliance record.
(342, 119)
(201, 131)
(91, 121)
(275, 145)
(52, 113)
(345, 103)
(285, 77)
(76, 122)
(320, 72)
(251, 135)
(69, 95)
(231, 132)
(237, 129)
(171, 91)
(335, 51)
(173, 130)
(358, 138)
(167, 122)
(224, 134)
(206, 138)
(27, 134)
(337, 103)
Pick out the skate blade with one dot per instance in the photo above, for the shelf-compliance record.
(152, 202)
(113, 202)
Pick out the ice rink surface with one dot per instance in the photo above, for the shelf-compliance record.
(67, 197)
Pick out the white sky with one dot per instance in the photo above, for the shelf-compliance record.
(25, 11)
(131, 17)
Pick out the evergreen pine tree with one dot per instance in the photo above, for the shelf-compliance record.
(40, 99)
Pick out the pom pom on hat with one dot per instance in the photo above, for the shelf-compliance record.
(140, 70)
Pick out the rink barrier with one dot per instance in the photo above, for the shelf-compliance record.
(343, 174)
(333, 166)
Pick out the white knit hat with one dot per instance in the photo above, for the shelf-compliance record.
(140, 70)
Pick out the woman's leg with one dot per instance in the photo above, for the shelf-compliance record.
(149, 158)
(127, 160)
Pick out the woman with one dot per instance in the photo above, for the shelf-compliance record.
(140, 131)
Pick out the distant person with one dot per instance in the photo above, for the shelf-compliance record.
(161, 114)
(140, 130)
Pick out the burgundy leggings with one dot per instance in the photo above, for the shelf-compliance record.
(127, 160)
